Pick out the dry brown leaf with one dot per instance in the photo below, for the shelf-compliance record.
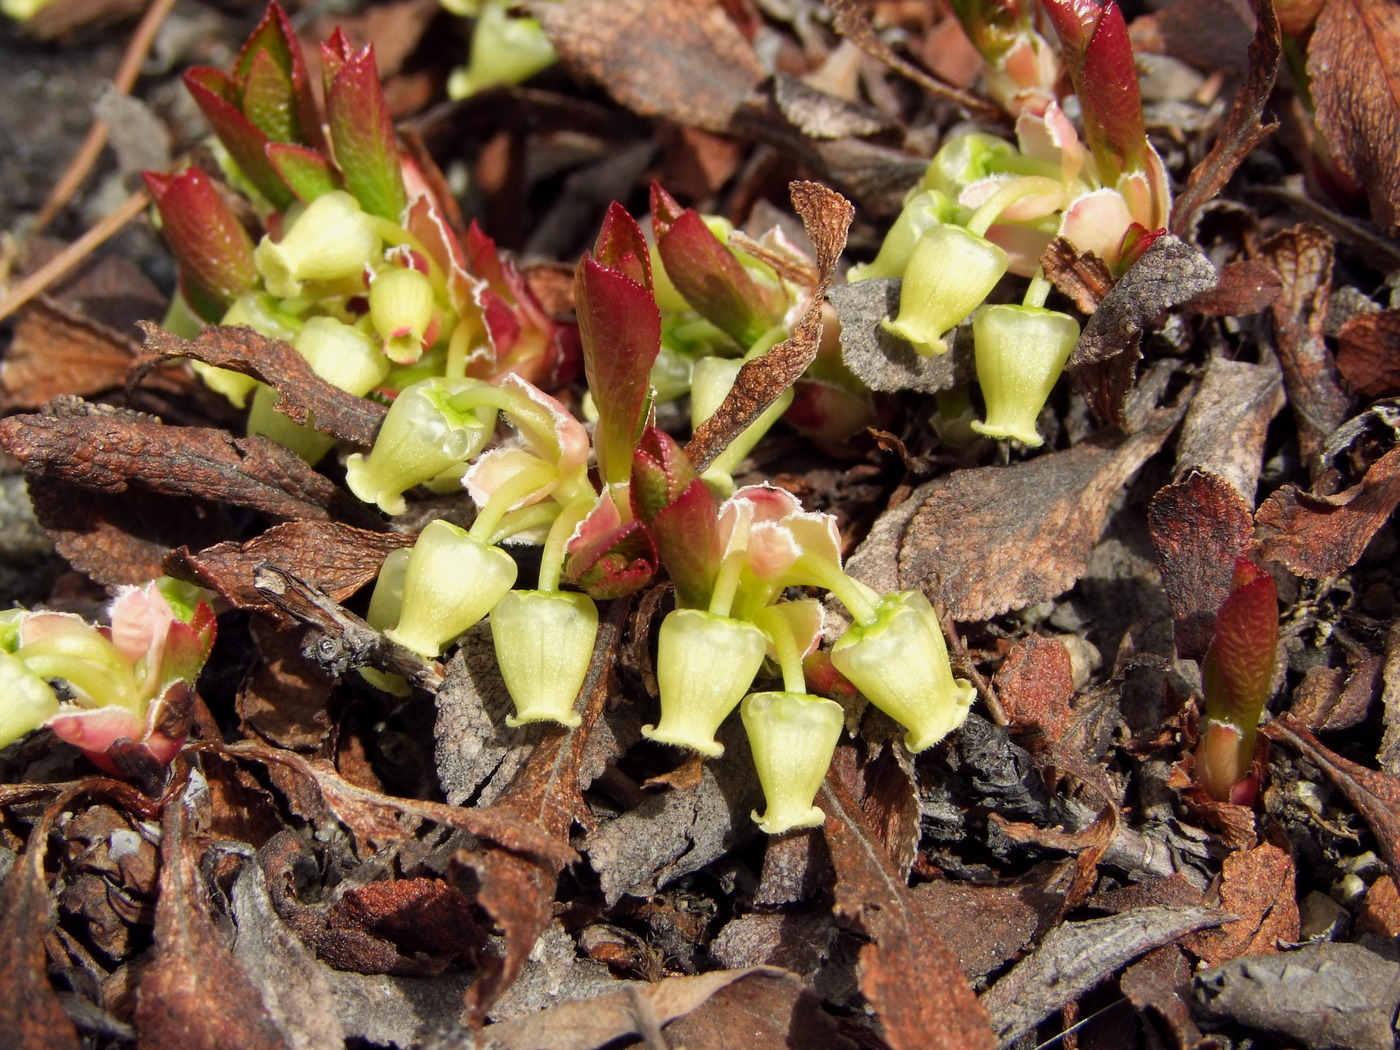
(30, 1013)
(1082, 276)
(1246, 287)
(1242, 131)
(303, 394)
(284, 699)
(987, 926)
(999, 538)
(338, 559)
(1354, 69)
(826, 216)
(683, 60)
(762, 1012)
(56, 351)
(193, 994)
(939, 1008)
(1199, 527)
(595, 1023)
(1368, 354)
(1317, 536)
(1375, 795)
(1302, 257)
(1035, 684)
(1156, 987)
(1258, 886)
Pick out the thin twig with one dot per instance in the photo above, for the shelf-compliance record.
(57, 267)
(125, 80)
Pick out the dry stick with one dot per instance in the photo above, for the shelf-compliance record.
(125, 80)
(60, 264)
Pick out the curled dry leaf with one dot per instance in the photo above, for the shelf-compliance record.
(676, 59)
(1354, 69)
(303, 394)
(1246, 287)
(1078, 955)
(1227, 424)
(1082, 276)
(1169, 273)
(999, 538)
(1368, 354)
(1323, 995)
(1302, 257)
(1199, 526)
(826, 216)
(1317, 536)
(938, 1009)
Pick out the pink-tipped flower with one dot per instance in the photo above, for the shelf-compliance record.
(130, 683)
(1021, 68)
(1237, 676)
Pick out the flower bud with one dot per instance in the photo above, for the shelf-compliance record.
(949, 274)
(451, 582)
(332, 239)
(401, 307)
(28, 701)
(792, 736)
(900, 662)
(544, 644)
(1020, 351)
(420, 438)
(342, 355)
(704, 666)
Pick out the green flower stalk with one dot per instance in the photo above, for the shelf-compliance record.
(430, 429)
(1020, 353)
(921, 212)
(705, 663)
(1237, 677)
(333, 239)
(451, 581)
(898, 659)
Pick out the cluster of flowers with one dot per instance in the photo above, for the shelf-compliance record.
(126, 686)
(731, 563)
(986, 207)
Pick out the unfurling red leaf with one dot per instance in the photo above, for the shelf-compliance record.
(686, 533)
(1239, 665)
(214, 250)
(620, 328)
(215, 94)
(362, 132)
(622, 245)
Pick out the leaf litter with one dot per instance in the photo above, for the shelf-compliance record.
(330, 863)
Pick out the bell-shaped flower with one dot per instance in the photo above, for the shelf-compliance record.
(950, 273)
(544, 644)
(704, 665)
(792, 737)
(331, 240)
(452, 580)
(1020, 352)
(401, 308)
(899, 661)
(342, 355)
(423, 435)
